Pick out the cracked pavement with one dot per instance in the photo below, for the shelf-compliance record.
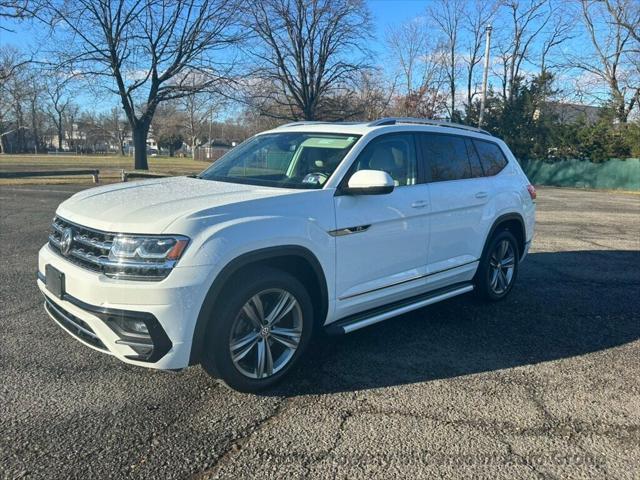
(542, 385)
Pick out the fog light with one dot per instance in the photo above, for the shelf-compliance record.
(139, 330)
(138, 326)
(132, 326)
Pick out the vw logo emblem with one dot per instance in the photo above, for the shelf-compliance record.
(66, 241)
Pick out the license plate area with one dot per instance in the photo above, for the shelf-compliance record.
(54, 281)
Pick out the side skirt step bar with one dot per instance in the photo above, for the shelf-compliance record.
(379, 314)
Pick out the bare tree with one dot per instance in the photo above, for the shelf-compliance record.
(59, 100)
(561, 30)
(311, 51)
(16, 10)
(447, 15)
(10, 60)
(9, 64)
(478, 15)
(198, 111)
(15, 93)
(612, 45)
(408, 45)
(527, 19)
(35, 93)
(626, 13)
(169, 125)
(147, 52)
(117, 127)
(422, 70)
(374, 95)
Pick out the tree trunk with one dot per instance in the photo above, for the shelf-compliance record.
(140, 132)
(34, 128)
(59, 132)
(469, 86)
(452, 82)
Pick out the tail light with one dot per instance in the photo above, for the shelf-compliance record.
(532, 192)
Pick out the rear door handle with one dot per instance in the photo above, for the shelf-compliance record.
(419, 204)
(482, 195)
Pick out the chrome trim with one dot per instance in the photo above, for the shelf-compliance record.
(55, 241)
(105, 262)
(341, 232)
(134, 344)
(407, 308)
(90, 242)
(418, 277)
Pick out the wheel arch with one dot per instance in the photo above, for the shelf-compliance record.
(294, 259)
(512, 222)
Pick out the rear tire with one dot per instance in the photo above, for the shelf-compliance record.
(498, 268)
(260, 327)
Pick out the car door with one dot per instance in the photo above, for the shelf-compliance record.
(382, 240)
(458, 193)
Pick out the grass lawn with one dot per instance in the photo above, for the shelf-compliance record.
(110, 167)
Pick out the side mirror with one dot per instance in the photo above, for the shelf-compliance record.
(370, 182)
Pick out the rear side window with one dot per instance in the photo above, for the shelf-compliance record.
(474, 159)
(491, 157)
(446, 157)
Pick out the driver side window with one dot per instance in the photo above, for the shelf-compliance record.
(394, 154)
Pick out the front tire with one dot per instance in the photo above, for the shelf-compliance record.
(498, 267)
(259, 329)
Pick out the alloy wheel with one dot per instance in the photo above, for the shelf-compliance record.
(501, 267)
(266, 333)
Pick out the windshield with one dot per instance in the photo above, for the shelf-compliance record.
(289, 160)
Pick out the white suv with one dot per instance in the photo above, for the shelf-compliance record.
(309, 227)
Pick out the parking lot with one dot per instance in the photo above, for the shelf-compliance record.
(544, 384)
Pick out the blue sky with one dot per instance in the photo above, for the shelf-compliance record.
(385, 14)
(393, 12)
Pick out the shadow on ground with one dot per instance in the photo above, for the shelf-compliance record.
(563, 305)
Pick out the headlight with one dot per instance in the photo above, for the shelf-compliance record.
(144, 257)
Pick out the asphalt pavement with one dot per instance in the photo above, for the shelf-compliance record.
(542, 385)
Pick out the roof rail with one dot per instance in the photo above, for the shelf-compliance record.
(302, 122)
(423, 121)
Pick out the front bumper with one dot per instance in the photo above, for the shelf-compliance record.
(93, 306)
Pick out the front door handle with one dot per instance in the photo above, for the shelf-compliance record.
(482, 195)
(419, 204)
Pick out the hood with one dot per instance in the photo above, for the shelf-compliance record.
(150, 206)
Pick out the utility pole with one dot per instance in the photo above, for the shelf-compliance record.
(485, 74)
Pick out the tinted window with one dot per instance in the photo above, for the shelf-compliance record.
(491, 157)
(394, 154)
(446, 156)
(474, 159)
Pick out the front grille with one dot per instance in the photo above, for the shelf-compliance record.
(89, 248)
(74, 325)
